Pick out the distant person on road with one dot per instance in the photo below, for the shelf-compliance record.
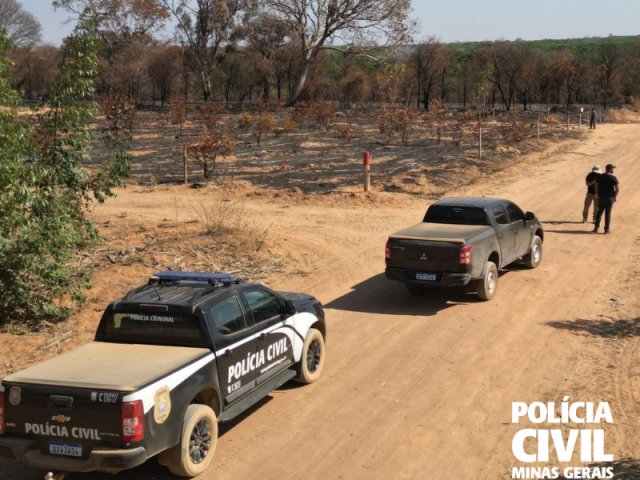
(592, 197)
(607, 188)
(592, 119)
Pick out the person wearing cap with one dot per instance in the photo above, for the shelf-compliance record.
(607, 188)
(591, 197)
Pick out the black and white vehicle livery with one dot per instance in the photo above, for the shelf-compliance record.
(169, 361)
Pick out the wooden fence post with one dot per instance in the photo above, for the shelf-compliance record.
(184, 160)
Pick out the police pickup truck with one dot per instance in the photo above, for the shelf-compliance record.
(169, 361)
(464, 240)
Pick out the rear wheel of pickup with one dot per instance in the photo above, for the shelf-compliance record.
(488, 285)
(194, 453)
(312, 361)
(534, 257)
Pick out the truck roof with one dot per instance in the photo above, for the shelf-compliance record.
(479, 202)
(182, 289)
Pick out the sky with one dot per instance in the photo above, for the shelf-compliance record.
(465, 20)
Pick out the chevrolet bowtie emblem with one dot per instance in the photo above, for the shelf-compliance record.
(60, 418)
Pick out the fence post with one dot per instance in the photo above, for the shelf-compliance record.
(184, 161)
(479, 136)
(366, 163)
(538, 125)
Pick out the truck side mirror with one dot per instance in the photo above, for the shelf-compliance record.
(288, 308)
(529, 216)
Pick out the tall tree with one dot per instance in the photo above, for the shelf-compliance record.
(427, 63)
(204, 26)
(345, 25)
(125, 28)
(266, 36)
(20, 26)
(610, 58)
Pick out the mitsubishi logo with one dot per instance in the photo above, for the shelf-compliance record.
(423, 256)
(60, 418)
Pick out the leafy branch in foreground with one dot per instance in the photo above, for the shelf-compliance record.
(46, 192)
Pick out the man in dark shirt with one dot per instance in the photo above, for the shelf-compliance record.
(592, 119)
(607, 188)
(591, 197)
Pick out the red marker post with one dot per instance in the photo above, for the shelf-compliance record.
(366, 162)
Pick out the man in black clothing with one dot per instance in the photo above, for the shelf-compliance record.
(592, 119)
(591, 197)
(607, 188)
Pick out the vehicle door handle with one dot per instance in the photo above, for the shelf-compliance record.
(500, 235)
(227, 353)
(262, 336)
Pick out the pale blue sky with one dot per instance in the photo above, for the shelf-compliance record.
(467, 20)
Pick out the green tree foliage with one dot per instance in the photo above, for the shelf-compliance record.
(45, 190)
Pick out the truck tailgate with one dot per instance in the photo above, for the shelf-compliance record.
(71, 404)
(431, 247)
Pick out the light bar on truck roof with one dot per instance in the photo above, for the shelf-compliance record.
(209, 277)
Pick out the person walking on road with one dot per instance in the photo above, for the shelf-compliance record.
(592, 119)
(607, 189)
(591, 198)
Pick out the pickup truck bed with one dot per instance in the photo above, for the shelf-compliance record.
(113, 366)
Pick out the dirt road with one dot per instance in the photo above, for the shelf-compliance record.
(422, 387)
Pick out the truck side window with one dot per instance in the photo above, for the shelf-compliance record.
(228, 317)
(263, 305)
(500, 214)
(515, 213)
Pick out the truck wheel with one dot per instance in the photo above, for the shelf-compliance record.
(193, 454)
(415, 288)
(312, 361)
(534, 257)
(488, 285)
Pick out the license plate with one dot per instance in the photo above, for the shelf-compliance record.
(66, 449)
(426, 276)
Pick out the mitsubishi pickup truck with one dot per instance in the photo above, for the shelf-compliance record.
(464, 241)
(169, 361)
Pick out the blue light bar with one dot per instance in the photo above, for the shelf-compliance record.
(211, 277)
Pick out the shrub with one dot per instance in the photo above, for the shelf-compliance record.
(263, 124)
(210, 115)
(245, 120)
(120, 112)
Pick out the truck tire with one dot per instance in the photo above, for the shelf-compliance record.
(197, 444)
(312, 361)
(488, 284)
(534, 257)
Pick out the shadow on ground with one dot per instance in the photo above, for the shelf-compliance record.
(600, 328)
(382, 296)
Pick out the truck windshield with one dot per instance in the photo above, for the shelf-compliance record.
(456, 215)
(152, 328)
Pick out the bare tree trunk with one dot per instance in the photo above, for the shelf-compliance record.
(302, 81)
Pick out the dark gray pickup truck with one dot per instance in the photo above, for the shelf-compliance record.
(464, 240)
(169, 361)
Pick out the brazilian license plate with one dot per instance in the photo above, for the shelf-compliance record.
(426, 276)
(65, 449)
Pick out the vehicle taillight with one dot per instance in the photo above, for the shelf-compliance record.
(2, 424)
(465, 254)
(132, 421)
(387, 250)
